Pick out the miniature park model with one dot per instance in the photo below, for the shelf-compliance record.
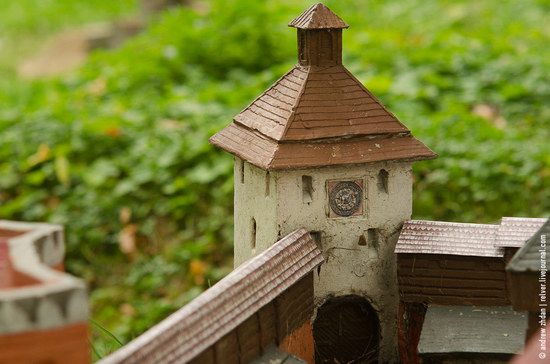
(329, 268)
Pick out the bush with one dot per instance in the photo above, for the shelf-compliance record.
(118, 151)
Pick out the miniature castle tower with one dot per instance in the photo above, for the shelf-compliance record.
(317, 150)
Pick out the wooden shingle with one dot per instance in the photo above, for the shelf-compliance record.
(530, 256)
(231, 304)
(310, 103)
(318, 114)
(514, 231)
(448, 238)
(450, 264)
(318, 16)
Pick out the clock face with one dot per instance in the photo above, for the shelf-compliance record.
(345, 198)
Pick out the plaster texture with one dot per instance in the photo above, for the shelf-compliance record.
(253, 200)
(367, 270)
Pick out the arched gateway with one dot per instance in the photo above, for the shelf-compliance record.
(346, 330)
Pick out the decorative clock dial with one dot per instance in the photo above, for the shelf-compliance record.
(345, 198)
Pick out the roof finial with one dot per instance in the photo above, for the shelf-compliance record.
(318, 16)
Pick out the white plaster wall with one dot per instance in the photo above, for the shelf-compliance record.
(350, 268)
(251, 202)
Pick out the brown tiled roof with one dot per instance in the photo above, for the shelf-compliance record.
(318, 116)
(270, 112)
(312, 102)
(225, 305)
(268, 154)
(451, 238)
(528, 258)
(318, 16)
(514, 231)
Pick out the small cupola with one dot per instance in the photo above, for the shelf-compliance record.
(319, 36)
(318, 114)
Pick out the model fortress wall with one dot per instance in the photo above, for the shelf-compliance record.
(318, 150)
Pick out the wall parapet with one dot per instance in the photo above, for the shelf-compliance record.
(35, 294)
(268, 297)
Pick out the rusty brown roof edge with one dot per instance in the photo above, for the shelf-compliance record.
(270, 166)
(238, 153)
(186, 332)
(273, 167)
(348, 137)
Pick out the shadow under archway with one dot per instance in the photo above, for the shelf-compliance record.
(346, 330)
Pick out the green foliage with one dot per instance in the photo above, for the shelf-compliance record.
(438, 68)
(37, 16)
(118, 151)
(25, 24)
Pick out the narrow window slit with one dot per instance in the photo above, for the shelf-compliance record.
(372, 238)
(302, 46)
(254, 231)
(307, 189)
(242, 170)
(267, 183)
(383, 177)
(317, 237)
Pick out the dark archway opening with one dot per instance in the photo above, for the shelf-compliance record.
(346, 330)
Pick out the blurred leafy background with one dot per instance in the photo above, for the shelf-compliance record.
(118, 151)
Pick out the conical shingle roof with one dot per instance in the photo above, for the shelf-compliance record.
(318, 16)
(318, 115)
(311, 103)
